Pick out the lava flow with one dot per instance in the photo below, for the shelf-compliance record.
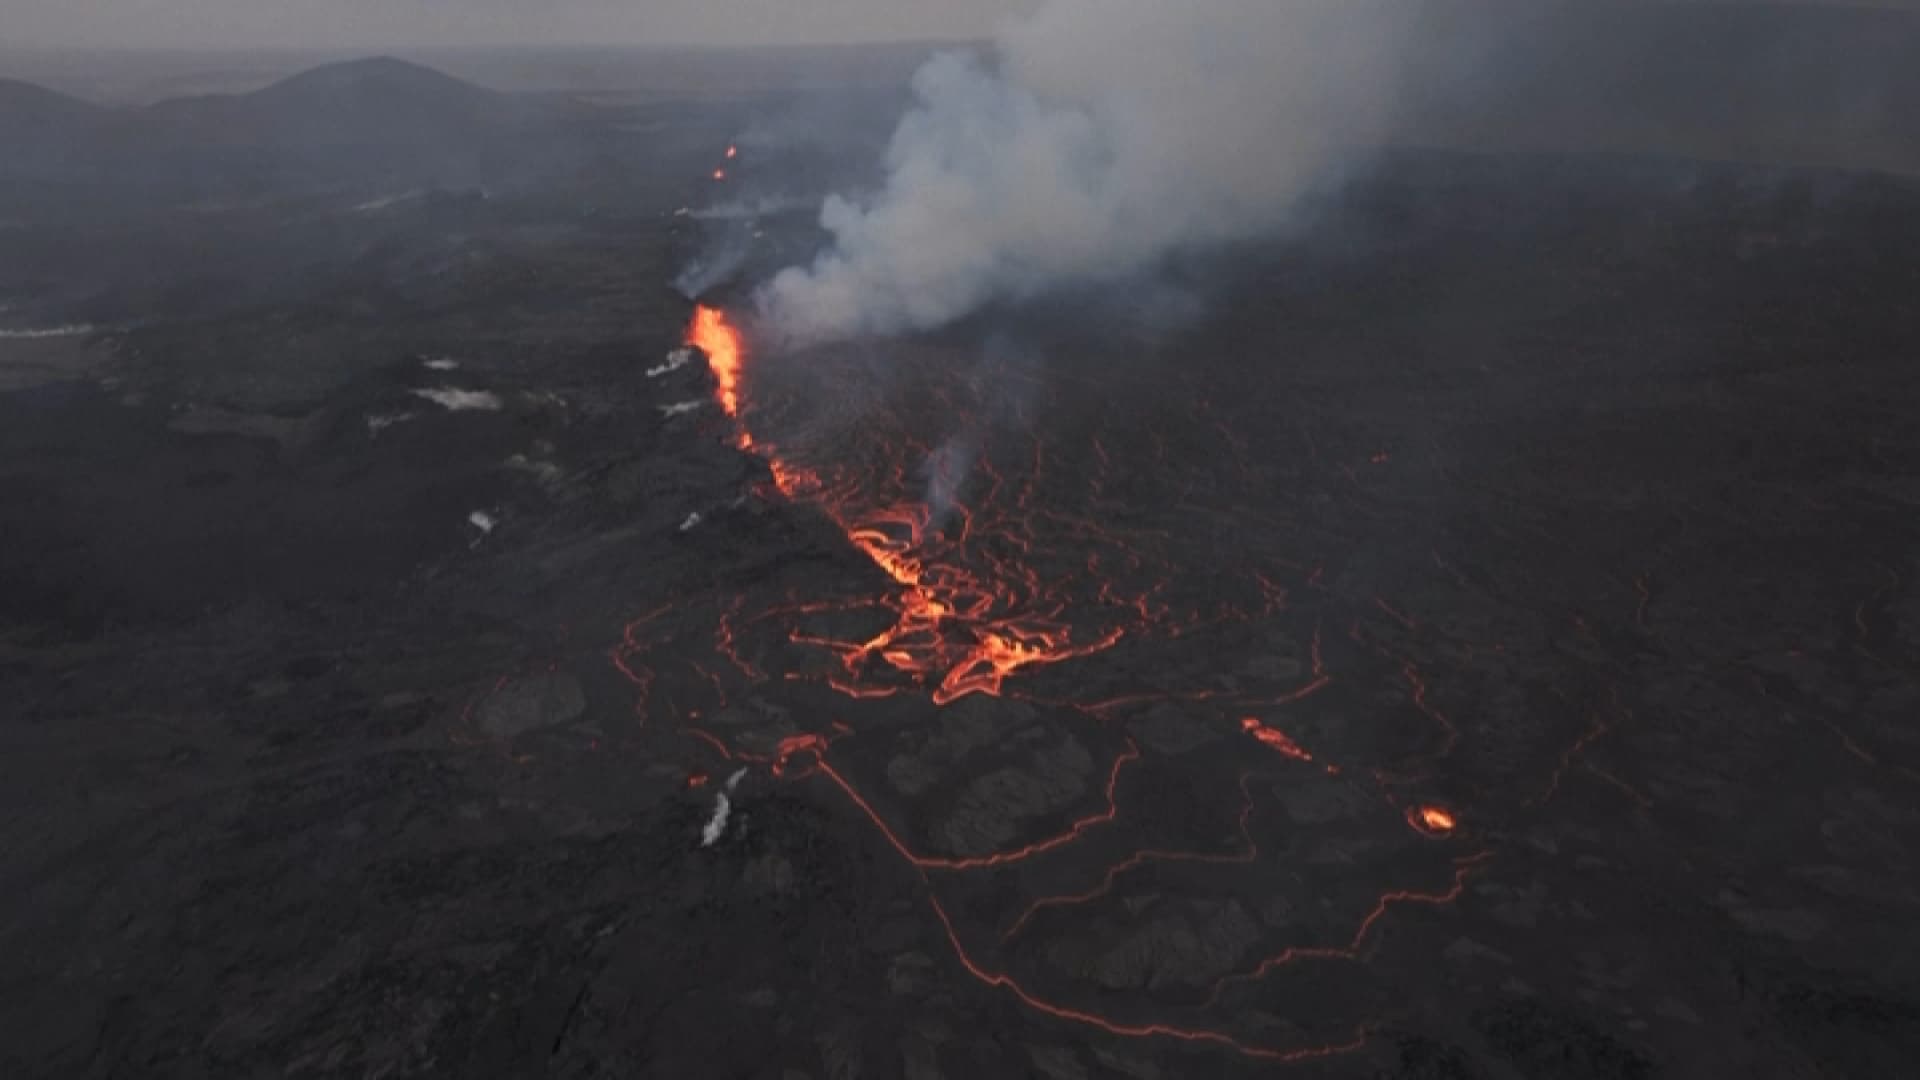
(719, 342)
(957, 630)
(1274, 738)
(982, 587)
(1432, 820)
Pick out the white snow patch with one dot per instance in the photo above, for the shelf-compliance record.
(385, 201)
(457, 400)
(484, 523)
(693, 520)
(676, 360)
(544, 471)
(722, 809)
(379, 422)
(682, 407)
(442, 363)
(70, 330)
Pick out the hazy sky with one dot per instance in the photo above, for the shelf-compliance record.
(357, 24)
(326, 24)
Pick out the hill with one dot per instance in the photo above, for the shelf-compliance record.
(372, 102)
(27, 109)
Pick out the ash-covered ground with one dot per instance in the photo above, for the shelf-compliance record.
(1472, 637)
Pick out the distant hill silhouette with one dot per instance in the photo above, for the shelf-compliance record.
(357, 103)
(378, 124)
(29, 112)
(47, 136)
(26, 103)
(378, 76)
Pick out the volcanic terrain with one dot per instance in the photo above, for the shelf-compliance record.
(1474, 637)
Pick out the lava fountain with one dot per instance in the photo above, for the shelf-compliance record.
(719, 342)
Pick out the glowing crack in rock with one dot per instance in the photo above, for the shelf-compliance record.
(1274, 738)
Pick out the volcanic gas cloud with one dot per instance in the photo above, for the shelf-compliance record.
(1101, 136)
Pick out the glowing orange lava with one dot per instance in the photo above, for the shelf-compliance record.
(1274, 738)
(1351, 949)
(1432, 820)
(713, 335)
(953, 629)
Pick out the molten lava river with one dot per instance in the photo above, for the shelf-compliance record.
(1095, 690)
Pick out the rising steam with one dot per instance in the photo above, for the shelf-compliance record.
(1105, 135)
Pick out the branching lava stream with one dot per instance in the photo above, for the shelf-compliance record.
(1065, 610)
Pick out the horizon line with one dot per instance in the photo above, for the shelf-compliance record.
(390, 47)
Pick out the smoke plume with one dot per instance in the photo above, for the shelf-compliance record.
(1102, 136)
(725, 252)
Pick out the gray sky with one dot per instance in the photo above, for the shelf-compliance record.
(364, 24)
(330, 24)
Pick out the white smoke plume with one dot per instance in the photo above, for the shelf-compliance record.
(716, 824)
(749, 210)
(726, 251)
(676, 360)
(1105, 135)
(946, 471)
